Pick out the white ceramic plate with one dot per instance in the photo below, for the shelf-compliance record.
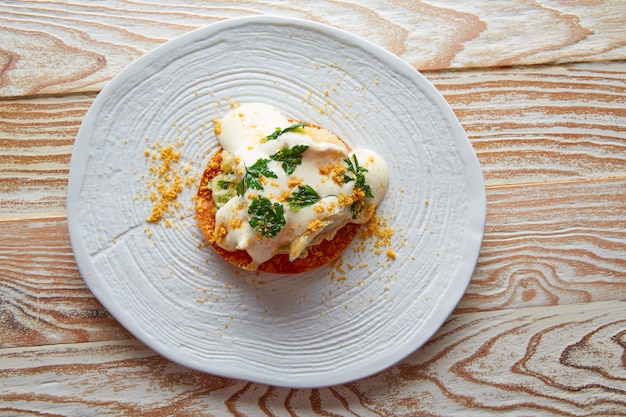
(329, 326)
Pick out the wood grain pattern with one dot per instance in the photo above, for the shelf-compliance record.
(542, 123)
(43, 299)
(87, 43)
(36, 140)
(562, 360)
(552, 243)
(565, 360)
(527, 125)
(545, 244)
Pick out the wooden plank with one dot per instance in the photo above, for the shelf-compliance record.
(43, 299)
(564, 360)
(36, 140)
(544, 123)
(554, 243)
(526, 124)
(87, 43)
(561, 360)
(544, 244)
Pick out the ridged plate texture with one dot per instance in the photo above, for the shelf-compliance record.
(386, 296)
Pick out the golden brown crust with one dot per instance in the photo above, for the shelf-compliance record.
(317, 256)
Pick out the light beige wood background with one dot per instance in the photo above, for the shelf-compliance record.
(540, 88)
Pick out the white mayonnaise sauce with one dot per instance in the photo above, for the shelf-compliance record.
(243, 137)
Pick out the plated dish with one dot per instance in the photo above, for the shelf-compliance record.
(285, 197)
(140, 153)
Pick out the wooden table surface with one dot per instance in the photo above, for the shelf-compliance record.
(540, 88)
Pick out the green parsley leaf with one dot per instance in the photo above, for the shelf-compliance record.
(240, 188)
(304, 197)
(356, 208)
(280, 131)
(290, 157)
(251, 177)
(359, 176)
(359, 183)
(267, 219)
(223, 184)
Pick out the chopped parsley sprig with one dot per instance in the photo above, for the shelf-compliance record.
(290, 157)
(251, 178)
(266, 218)
(304, 197)
(279, 131)
(223, 184)
(359, 183)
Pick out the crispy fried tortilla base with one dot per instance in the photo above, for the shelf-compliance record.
(317, 256)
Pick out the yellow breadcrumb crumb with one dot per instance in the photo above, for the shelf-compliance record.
(314, 225)
(167, 181)
(217, 126)
(294, 182)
